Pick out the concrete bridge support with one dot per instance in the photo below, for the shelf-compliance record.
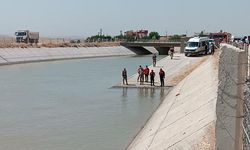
(138, 50)
(162, 50)
(182, 46)
(161, 47)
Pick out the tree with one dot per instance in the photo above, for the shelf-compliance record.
(201, 34)
(154, 36)
(175, 38)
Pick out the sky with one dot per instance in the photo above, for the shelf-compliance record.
(83, 18)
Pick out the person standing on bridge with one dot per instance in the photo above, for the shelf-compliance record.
(154, 60)
(152, 78)
(124, 76)
(162, 76)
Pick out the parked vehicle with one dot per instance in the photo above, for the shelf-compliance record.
(25, 36)
(196, 46)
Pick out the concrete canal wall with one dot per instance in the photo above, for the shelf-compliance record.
(20, 55)
(229, 109)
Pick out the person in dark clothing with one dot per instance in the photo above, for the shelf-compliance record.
(212, 48)
(206, 48)
(162, 76)
(154, 60)
(171, 52)
(152, 78)
(139, 73)
(124, 76)
(146, 73)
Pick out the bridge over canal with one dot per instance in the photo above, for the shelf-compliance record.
(143, 48)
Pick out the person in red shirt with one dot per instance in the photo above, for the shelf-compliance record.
(146, 73)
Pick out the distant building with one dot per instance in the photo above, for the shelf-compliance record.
(220, 37)
(202, 34)
(129, 33)
(139, 33)
(142, 33)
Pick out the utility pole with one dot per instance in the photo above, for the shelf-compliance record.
(101, 31)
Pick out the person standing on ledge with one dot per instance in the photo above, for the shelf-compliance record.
(162, 76)
(141, 76)
(146, 73)
(152, 78)
(139, 73)
(154, 60)
(124, 76)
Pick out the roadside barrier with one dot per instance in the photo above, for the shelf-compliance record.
(246, 108)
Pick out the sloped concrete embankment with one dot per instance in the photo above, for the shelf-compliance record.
(186, 118)
(20, 55)
(232, 75)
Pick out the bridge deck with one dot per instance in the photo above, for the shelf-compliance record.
(155, 44)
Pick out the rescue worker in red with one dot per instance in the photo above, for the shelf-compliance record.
(124, 76)
(146, 73)
(152, 78)
(162, 76)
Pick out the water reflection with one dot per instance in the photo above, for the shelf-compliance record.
(149, 92)
(145, 93)
(124, 92)
(162, 93)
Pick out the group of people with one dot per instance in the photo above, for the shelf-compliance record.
(143, 74)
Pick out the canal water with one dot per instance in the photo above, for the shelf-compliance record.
(69, 105)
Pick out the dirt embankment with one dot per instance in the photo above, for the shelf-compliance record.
(53, 43)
